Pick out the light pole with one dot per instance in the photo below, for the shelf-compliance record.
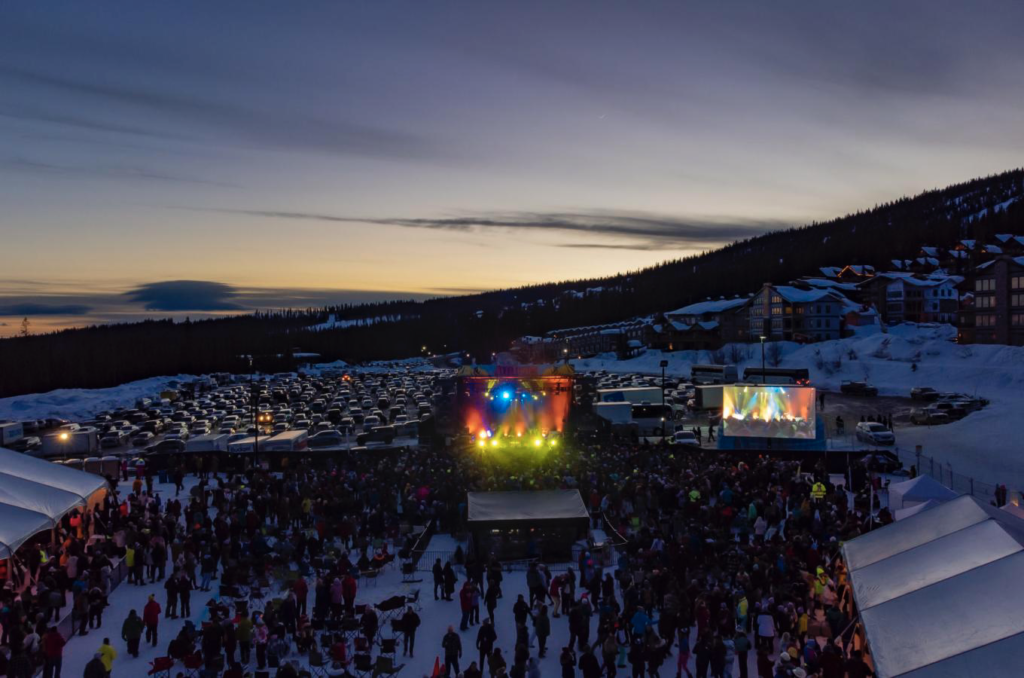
(762, 359)
(664, 364)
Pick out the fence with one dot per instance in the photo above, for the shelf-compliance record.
(945, 474)
(66, 625)
(942, 472)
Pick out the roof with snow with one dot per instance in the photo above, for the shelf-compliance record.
(795, 295)
(1017, 260)
(830, 271)
(710, 306)
(938, 592)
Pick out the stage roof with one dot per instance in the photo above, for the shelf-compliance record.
(938, 592)
(512, 506)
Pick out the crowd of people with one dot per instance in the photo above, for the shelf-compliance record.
(719, 562)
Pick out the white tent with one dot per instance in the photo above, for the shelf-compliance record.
(35, 494)
(937, 592)
(17, 525)
(904, 513)
(1014, 510)
(917, 491)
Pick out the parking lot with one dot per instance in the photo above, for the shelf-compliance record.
(331, 411)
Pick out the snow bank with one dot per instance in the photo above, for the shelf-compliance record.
(82, 403)
(884, 359)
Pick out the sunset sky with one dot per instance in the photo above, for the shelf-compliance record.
(291, 154)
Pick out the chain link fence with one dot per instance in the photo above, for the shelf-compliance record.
(946, 474)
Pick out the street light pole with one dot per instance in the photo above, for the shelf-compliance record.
(664, 364)
(763, 380)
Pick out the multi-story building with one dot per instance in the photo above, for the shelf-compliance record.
(904, 297)
(706, 324)
(997, 313)
(783, 312)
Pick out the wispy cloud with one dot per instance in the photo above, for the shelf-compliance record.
(139, 173)
(207, 119)
(627, 229)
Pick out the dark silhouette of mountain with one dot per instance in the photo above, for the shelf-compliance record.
(101, 356)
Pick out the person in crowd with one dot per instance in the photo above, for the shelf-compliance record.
(131, 632)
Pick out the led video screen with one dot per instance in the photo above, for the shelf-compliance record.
(514, 407)
(768, 411)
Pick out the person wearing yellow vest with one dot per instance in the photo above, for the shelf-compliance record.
(107, 655)
(818, 491)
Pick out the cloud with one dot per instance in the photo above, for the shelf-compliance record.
(30, 308)
(209, 119)
(632, 229)
(186, 295)
(110, 172)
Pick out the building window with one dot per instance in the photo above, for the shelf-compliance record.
(1017, 282)
(985, 285)
(985, 301)
(776, 310)
(1017, 319)
(1017, 300)
(985, 320)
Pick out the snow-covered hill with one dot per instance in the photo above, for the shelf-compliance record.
(82, 403)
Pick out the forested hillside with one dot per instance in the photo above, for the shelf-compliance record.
(482, 323)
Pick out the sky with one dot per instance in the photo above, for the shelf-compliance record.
(202, 158)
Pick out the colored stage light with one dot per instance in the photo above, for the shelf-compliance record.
(554, 441)
(537, 442)
(506, 395)
(494, 442)
(482, 443)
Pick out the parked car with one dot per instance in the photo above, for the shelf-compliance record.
(26, 444)
(860, 388)
(112, 439)
(328, 438)
(685, 438)
(379, 434)
(874, 433)
(924, 393)
(929, 416)
(172, 446)
(142, 438)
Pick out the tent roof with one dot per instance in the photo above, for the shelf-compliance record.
(35, 494)
(922, 488)
(27, 494)
(546, 505)
(85, 485)
(904, 513)
(17, 525)
(937, 592)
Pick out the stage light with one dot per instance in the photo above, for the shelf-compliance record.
(494, 442)
(506, 395)
(554, 441)
(482, 434)
(481, 443)
(537, 442)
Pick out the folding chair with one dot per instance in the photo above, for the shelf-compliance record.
(161, 666)
(385, 666)
(362, 665)
(409, 573)
(388, 647)
(193, 665)
(317, 668)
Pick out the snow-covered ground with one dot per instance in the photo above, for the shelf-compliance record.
(985, 445)
(82, 403)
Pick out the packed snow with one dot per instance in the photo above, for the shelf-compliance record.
(83, 403)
